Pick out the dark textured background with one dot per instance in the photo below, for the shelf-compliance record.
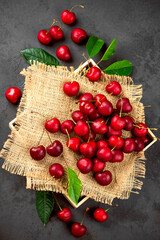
(136, 24)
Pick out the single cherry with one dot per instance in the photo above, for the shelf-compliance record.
(140, 130)
(117, 156)
(56, 32)
(44, 37)
(114, 88)
(104, 154)
(118, 123)
(99, 98)
(94, 74)
(74, 144)
(52, 125)
(85, 165)
(105, 108)
(13, 94)
(78, 115)
(63, 53)
(146, 140)
(124, 105)
(68, 17)
(98, 165)
(129, 145)
(139, 144)
(78, 35)
(101, 144)
(101, 215)
(71, 89)
(99, 126)
(67, 126)
(55, 149)
(87, 108)
(88, 149)
(112, 132)
(81, 128)
(64, 214)
(104, 178)
(38, 153)
(86, 97)
(115, 142)
(94, 115)
(56, 170)
(129, 123)
(89, 136)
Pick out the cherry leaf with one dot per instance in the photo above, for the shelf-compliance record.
(110, 50)
(75, 185)
(121, 68)
(94, 45)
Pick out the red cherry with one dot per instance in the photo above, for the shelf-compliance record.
(56, 32)
(114, 88)
(88, 149)
(112, 132)
(94, 115)
(81, 128)
(100, 215)
(105, 108)
(99, 99)
(117, 156)
(87, 97)
(68, 17)
(74, 144)
(94, 74)
(78, 230)
(64, 214)
(98, 165)
(13, 94)
(85, 165)
(71, 88)
(124, 105)
(146, 140)
(99, 126)
(63, 53)
(118, 123)
(129, 123)
(140, 130)
(44, 37)
(56, 170)
(52, 125)
(104, 178)
(90, 135)
(38, 153)
(87, 108)
(104, 154)
(129, 145)
(67, 125)
(115, 141)
(139, 144)
(115, 113)
(55, 149)
(102, 144)
(78, 115)
(78, 35)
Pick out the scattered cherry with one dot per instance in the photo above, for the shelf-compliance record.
(85, 165)
(63, 53)
(74, 144)
(38, 153)
(99, 98)
(129, 145)
(146, 140)
(88, 149)
(89, 136)
(117, 156)
(129, 123)
(118, 123)
(104, 178)
(112, 132)
(105, 108)
(44, 37)
(86, 97)
(81, 128)
(56, 170)
(124, 105)
(104, 154)
(114, 88)
(52, 125)
(64, 214)
(139, 144)
(56, 32)
(115, 142)
(94, 115)
(87, 108)
(67, 126)
(55, 149)
(94, 74)
(78, 115)
(98, 165)
(13, 94)
(101, 144)
(101, 215)
(140, 130)
(68, 17)
(99, 126)
(78, 35)
(71, 88)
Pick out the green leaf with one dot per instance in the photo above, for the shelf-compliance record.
(110, 50)
(40, 55)
(94, 45)
(122, 68)
(75, 185)
(44, 205)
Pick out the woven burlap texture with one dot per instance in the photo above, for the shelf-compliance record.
(43, 94)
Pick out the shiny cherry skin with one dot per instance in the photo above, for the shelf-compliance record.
(99, 98)
(94, 74)
(146, 140)
(129, 145)
(100, 215)
(71, 89)
(38, 153)
(94, 115)
(129, 123)
(115, 142)
(101, 144)
(55, 149)
(104, 178)
(98, 165)
(74, 144)
(65, 214)
(105, 108)
(87, 108)
(118, 123)
(114, 88)
(63, 53)
(99, 126)
(67, 124)
(85, 165)
(112, 132)
(81, 128)
(13, 94)
(56, 170)
(78, 230)
(52, 125)
(140, 130)
(68, 17)
(124, 104)
(90, 135)
(104, 154)
(78, 35)
(44, 37)
(117, 156)
(86, 97)
(88, 149)
(78, 115)
(56, 32)
(139, 144)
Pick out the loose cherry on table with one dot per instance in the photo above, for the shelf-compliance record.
(67, 126)
(139, 144)
(78, 115)
(87, 108)
(98, 126)
(129, 123)
(89, 136)
(99, 98)
(71, 89)
(101, 215)
(13, 94)
(88, 149)
(38, 153)
(85, 165)
(74, 144)
(104, 154)
(104, 178)
(44, 37)
(52, 125)
(124, 105)
(115, 142)
(63, 53)
(129, 145)
(69, 17)
(112, 132)
(56, 170)
(56, 32)
(94, 74)
(140, 130)
(118, 123)
(98, 165)
(117, 156)
(55, 149)
(81, 128)
(114, 88)
(101, 144)
(86, 97)
(105, 108)
(78, 35)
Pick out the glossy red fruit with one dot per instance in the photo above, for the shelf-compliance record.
(85, 165)
(65, 214)
(129, 145)
(140, 130)
(118, 123)
(101, 144)
(114, 113)
(117, 156)
(52, 125)
(86, 97)
(81, 128)
(74, 144)
(88, 149)
(99, 126)
(71, 89)
(129, 123)
(139, 144)
(90, 135)
(104, 178)
(44, 37)
(67, 125)
(38, 153)
(104, 154)
(124, 105)
(94, 74)
(87, 108)
(112, 132)
(99, 98)
(94, 115)
(78, 115)
(105, 108)
(78, 35)
(56, 32)
(100, 215)
(98, 165)
(146, 140)
(78, 230)
(68, 17)
(114, 88)
(55, 149)
(115, 141)
(63, 53)
(56, 170)
(13, 94)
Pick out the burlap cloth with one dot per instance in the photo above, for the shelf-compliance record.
(43, 93)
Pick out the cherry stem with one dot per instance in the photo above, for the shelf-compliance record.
(147, 106)
(41, 136)
(67, 133)
(56, 201)
(120, 114)
(84, 56)
(111, 207)
(144, 128)
(87, 209)
(74, 121)
(89, 137)
(116, 144)
(115, 172)
(49, 137)
(99, 61)
(76, 6)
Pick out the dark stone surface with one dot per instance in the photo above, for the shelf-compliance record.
(136, 24)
